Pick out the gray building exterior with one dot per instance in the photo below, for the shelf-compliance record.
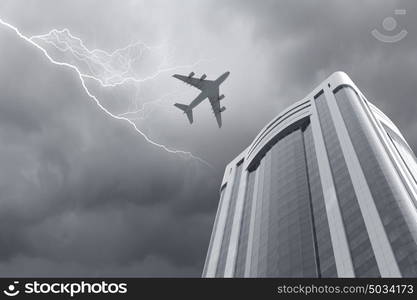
(327, 189)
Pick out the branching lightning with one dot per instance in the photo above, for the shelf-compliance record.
(108, 69)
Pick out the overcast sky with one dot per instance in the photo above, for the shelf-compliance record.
(84, 194)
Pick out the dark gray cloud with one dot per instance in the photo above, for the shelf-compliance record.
(83, 194)
(308, 40)
(82, 189)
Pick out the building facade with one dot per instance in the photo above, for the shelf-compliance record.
(326, 189)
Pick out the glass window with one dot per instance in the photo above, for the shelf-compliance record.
(244, 227)
(388, 201)
(348, 203)
(229, 221)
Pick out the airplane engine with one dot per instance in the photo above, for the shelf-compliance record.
(203, 76)
(222, 109)
(191, 75)
(221, 97)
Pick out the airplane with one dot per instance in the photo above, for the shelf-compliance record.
(209, 89)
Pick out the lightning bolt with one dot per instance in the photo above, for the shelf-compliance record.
(141, 113)
(112, 76)
(109, 77)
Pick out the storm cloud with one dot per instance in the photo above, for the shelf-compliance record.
(83, 194)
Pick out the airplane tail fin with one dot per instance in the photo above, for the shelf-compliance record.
(186, 109)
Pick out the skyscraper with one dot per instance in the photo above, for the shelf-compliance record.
(327, 189)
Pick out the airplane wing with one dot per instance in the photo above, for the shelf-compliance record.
(195, 82)
(215, 105)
